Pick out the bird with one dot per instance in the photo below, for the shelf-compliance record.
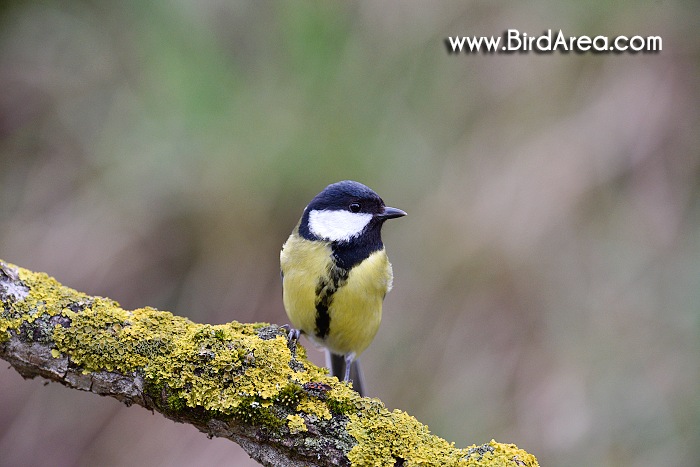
(336, 273)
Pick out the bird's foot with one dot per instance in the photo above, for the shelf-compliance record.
(292, 336)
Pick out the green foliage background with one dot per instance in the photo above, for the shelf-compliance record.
(547, 283)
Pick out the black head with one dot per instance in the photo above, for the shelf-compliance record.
(350, 216)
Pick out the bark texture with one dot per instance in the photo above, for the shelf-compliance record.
(243, 382)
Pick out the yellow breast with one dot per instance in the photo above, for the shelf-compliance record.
(356, 307)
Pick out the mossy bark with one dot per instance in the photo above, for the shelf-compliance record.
(243, 382)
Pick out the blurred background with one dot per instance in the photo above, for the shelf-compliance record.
(547, 278)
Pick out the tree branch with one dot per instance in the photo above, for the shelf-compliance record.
(237, 381)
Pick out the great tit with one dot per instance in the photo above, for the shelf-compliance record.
(335, 273)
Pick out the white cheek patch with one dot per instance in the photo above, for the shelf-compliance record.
(337, 226)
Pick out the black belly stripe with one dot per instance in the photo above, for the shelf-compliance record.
(325, 289)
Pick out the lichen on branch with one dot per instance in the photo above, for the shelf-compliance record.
(245, 382)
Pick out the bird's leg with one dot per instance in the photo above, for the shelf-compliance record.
(349, 357)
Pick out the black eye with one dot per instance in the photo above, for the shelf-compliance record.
(355, 207)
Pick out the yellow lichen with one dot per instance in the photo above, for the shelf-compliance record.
(497, 455)
(229, 369)
(296, 424)
(314, 407)
(386, 437)
(46, 298)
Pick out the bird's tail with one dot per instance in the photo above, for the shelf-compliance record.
(336, 363)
